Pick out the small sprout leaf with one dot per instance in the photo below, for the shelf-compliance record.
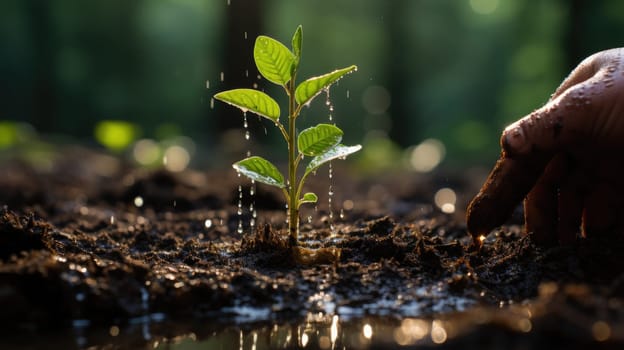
(318, 139)
(296, 44)
(273, 59)
(261, 170)
(308, 198)
(307, 90)
(338, 151)
(253, 101)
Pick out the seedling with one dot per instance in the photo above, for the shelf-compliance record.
(321, 142)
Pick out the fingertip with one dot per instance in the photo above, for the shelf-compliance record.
(507, 184)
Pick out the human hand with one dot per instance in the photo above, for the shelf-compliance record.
(565, 159)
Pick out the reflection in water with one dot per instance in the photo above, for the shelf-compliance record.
(334, 331)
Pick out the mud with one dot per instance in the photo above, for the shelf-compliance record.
(83, 265)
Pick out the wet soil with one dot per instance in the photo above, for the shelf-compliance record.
(97, 250)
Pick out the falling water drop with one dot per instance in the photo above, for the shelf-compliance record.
(207, 84)
(222, 76)
(247, 135)
(342, 214)
(252, 191)
(329, 104)
(212, 103)
(239, 210)
(245, 35)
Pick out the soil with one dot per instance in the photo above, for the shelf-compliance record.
(83, 263)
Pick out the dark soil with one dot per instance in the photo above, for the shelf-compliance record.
(78, 256)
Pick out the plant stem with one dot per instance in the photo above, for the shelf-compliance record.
(293, 205)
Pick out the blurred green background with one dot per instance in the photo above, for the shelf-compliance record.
(451, 73)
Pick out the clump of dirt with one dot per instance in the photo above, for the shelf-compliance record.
(86, 250)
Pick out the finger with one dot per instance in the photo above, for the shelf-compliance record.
(581, 73)
(540, 205)
(508, 183)
(562, 123)
(570, 209)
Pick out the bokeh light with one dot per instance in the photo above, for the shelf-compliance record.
(176, 158)
(146, 152)
(427, 155)
(438, 333)
(484, 7)
(115, 135)
(376, 99)
(445, 199)
(367, 331)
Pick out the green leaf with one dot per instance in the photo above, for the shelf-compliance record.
(273, 59)
(339, 151)
(308, 198)
(261, 170)
(296, 43)
(318, 139)
(307, 90)
(251, 100)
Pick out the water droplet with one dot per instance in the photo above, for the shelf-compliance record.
(208, 223)
(138, 201)
(246, 135)
(112, 220)
(207, 84)
(348, 93)
(240, 227)
(222, 76)
(212, 103)
(342, 214)
(245, 35)
(309, 219)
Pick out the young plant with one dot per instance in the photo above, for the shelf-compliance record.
(279, 65)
